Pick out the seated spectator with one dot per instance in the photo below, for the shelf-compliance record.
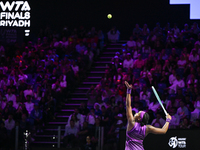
(137, 31)
(54, 76)
(9, 123)
(36, 116)
(117, 78)
(131, 43)
(135, 53)
(75, 68)
(128, 62)
(183, 111)
(97, 112)
(163, 56)
(28, 104)
(145, 95)
(193, 57)
(89, 145)
(3, 102)
(10, 96)
(145, 30)
(106, 93)
(146, 49)
(181, 62)
(118, 98)
(139, 63)
(196, 113)
(17, 103)
(76, 121)
(38, 94)
(70, 135)
(178, 83)
(153, 105)
(24, 123)
(113, 35)
(80, 47)
(158, 121)
(195, 125)
(28, 91)
(12, 87)
(158, 67)
(175, 121)
(63, 83)
(10, 108)
(172, 77)
(192, 81)
(22, 76)
(90, 118)
(83, 109)
(184, 124)
(4, 82)
(104, 116)
(80, 118)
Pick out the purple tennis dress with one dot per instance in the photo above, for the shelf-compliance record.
(135, 137)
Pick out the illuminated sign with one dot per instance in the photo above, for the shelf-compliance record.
(194, 7)
(177, 142)
(15, 14)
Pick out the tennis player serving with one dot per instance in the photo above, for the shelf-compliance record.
(137, 129)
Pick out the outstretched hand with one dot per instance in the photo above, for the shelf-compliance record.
(127, 85)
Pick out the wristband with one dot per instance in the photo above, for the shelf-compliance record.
(129, 91)
(168, 120)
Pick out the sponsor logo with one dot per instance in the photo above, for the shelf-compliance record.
(177, 142)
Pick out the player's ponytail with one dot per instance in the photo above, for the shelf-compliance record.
(144, 119)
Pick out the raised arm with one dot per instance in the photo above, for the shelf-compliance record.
(163, 130)
(129, 113)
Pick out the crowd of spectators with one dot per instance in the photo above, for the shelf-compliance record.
(168, 59)
(36, 78)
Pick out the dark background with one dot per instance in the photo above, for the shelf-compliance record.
(160, 142)
(126, 13)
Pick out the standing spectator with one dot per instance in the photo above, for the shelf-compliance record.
(36, 116)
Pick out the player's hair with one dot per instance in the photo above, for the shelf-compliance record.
(145, 119)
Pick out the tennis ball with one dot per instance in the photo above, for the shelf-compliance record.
(109, 16)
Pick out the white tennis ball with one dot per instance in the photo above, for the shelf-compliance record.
(109, 16)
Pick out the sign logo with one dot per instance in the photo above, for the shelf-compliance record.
(15, 14)
(194, 7)
(177, 142)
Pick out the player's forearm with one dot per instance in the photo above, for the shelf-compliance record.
(165, 127)
(128, 100)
